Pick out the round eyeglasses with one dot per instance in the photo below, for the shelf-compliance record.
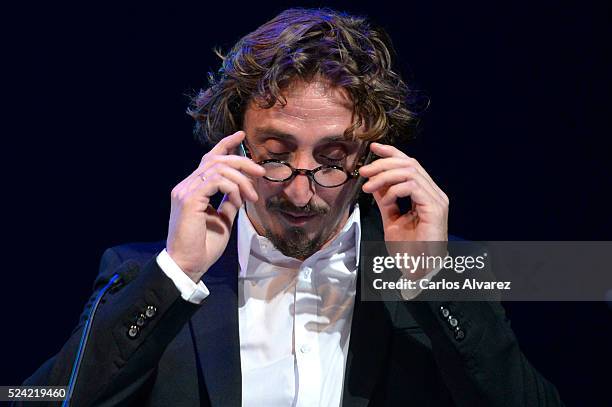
(327, 176)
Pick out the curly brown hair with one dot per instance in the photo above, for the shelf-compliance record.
(303, 44)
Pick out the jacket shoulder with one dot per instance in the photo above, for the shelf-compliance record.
(140, 252)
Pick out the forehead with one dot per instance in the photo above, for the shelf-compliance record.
(314, 110)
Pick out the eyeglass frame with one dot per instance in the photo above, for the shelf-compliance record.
(303, 171)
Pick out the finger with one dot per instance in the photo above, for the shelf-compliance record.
(385, 150)
(218, 183)
(397, 159)
(232, 200)
(228, 209)
(382, 164)
(397, 176)
(209, 169)
(388, 212)
(228, 144)
(244, 164)
(388, 178)
(412, 189)
(247, 191)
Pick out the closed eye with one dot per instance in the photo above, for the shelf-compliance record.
(333, 160)
(278, 155)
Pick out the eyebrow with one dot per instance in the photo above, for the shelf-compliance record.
(268, 131)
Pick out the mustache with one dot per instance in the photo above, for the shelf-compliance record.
(280, 204)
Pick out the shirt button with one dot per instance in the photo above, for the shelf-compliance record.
(444, 312)
(452, 321)
(305, 348)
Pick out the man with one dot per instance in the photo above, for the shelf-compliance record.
(256, 301)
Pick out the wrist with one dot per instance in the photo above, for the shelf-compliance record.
(188, 267)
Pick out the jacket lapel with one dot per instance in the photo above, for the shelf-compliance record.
(215, 331)
(370, 330)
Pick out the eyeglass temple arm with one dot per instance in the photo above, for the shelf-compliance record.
(369, 158)
(243, 151)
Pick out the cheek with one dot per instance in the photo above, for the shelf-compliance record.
(336, 198)
(265, 190)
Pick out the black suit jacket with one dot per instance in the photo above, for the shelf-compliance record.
(400, 353)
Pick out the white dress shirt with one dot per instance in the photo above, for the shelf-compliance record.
(294, 316)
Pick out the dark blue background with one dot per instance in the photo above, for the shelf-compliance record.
(95, 135)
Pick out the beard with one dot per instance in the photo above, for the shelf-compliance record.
(294, 241)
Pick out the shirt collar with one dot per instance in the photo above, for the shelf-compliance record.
(250, 242)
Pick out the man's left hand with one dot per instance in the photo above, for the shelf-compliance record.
(396, 175)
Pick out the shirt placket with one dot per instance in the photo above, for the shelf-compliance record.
(307, 352)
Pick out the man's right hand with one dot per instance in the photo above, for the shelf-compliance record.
(198, 233)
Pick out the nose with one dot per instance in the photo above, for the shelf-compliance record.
(301, 188)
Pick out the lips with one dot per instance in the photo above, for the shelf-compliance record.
(297, 218)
